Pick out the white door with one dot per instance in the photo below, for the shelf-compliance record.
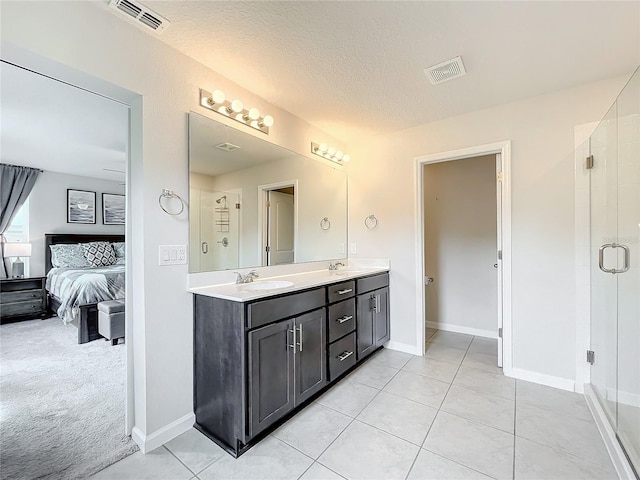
(280, 228)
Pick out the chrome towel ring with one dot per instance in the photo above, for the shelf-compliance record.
(325, 224)
(371, 222)
(166, 193)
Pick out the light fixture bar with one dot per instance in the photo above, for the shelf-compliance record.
(328, 152)
(236, 110)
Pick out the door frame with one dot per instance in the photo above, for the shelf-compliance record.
(262, 223)
(503, 216)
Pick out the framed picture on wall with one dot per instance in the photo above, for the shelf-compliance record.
(81, 206)
(112, 209)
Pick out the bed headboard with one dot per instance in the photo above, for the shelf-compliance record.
(55, 238)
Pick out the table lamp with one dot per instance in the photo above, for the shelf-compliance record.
(16, 249)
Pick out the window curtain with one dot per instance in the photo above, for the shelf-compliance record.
(16, 184)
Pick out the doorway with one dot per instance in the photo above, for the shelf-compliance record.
(279, 223)
(499, 268)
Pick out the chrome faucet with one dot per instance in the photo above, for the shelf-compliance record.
(248, 278)
(334, 266)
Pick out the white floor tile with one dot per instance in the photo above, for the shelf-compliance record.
(534, 461)
(391, 358)
(553, 399)
(445, 353)
(320, 472)
(403, 418)
(364, 452)
(373, 375)
(430, 333)
(451, 339)
(158, 464)
(482, 361)
(269, 459)
(496, 412)
(429, 466)
(432, 368)
(481, 448)
(561, 432)
(418, 388)
(486, 382)
(313, 429)
(195, 450)
(484, 345)
(348, 397)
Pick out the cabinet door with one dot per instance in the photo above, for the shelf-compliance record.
(381, 316)
(310, 354)
(271, 392)
(365, 324)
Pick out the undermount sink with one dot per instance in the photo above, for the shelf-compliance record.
(266, 285)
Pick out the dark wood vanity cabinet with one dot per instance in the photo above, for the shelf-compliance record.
(372, 313)
(256, 362)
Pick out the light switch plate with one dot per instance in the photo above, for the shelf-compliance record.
(353, 248)
(172, 255)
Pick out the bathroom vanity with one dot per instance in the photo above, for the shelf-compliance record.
(260, 353)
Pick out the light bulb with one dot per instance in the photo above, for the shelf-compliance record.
(331, 151)
(346, 158)
(267, 121)
(217, 96)
(323, 148)
(235, 107)
(253, 114)
(339, 155)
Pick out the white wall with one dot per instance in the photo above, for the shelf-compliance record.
(461, 244)
(382, 181)
(90, 39)
(48, 211)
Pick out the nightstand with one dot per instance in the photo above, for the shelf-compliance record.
(22, 299)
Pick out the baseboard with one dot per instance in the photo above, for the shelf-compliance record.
(618, 458)
(447, 327)
(543, 379)
(402, 347)
(150, 442)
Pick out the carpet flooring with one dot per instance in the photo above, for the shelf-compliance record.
(62, 405)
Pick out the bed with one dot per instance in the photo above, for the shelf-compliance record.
(85, 315)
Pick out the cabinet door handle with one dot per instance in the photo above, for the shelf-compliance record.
(299, 344)
(346, 290)
(343, 356)
(294, 338)
(346, 318)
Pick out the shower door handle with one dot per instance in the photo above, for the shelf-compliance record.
(627, 258)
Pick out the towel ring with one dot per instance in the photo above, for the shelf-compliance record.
(371, 222)
(166, 193)
(325, 224)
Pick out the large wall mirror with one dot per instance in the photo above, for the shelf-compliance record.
(253, 203)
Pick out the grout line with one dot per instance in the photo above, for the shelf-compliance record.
(458, 463)
(176, 457)
(415, 459)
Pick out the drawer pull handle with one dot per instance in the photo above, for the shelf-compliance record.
(346, 318)
(342, 357)
(294, 339)
(346, 290)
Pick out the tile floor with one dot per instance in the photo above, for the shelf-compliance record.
(448, 415)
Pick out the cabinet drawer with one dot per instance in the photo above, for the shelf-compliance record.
(22, 308)
(20, 296)
(342, 356)
(341, 291)
(367, 284)
(342, 319)
(274, 309)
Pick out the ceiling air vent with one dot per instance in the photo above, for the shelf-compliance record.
(140, 15)
(445, 71)
(227, 147)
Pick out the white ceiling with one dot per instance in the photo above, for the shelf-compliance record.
(50, 125)
(356, 67)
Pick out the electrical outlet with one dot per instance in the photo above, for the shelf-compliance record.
(353, 248)
(172, 255)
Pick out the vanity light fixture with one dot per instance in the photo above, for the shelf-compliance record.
(330, 153)
(235, 109)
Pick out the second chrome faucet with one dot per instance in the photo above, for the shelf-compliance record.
(248, 278)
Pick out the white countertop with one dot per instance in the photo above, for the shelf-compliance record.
(301, 281)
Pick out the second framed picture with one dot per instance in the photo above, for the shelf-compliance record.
(113, 207)
(81, 206)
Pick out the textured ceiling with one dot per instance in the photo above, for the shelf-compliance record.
(354, 68)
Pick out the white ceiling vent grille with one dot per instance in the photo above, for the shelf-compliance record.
(140, 15)
(445, 71)
(227, 147)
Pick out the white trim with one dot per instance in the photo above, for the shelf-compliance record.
(447, 327)
(262, 198)
(543, 379)
(150, 442)
(403, 347)
(618, 458)
(504, 149)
